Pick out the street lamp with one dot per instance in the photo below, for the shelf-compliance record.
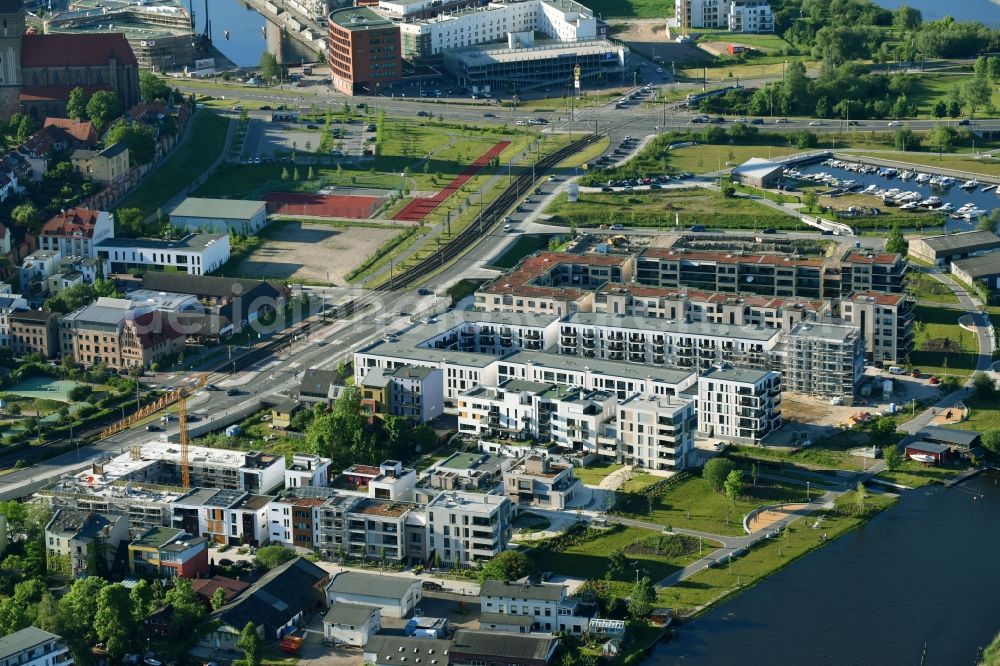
(808, 495)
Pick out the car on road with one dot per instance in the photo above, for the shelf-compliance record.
(769, 230)
(717, 120)
(782, 121)
(152, 428)
(853, 123)
(700, 119)
(815, 123)
(233, 391)
(757, 121)
(741, 119)
(489, 115)
(697, 227)
(895, 123)
(964, 121)
(266, 107)
(607, 189)
(616, 227)
(312, 127)
(211, 387)
(423, 114)
(934, 380)
(423, 291)
(371, 127)
(520, 123)
(431, 586)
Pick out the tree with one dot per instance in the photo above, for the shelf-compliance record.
(892, 457)
(102, 108)
(733, 485)
(113, 619)
(139, 138)
(269, 557)
(249, 643)
(218, 599)
(716, 472)
(810, 199)
(78, 609)
(188, 608)
(76, 106)
(955, 107)
(896, 242)
(940, 109)
(942, 139)
(617, 563)
(976, 92)
(152, 87)
(984, 386)
(80, 392)
(508, 565)
(906, 19)
(991, 441)
(641, 600)
(128, 222)
(269, 67)
(905, 139)
(861, 494)
(883, 430)
(26, 215)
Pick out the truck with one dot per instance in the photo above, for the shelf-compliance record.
(290, 644)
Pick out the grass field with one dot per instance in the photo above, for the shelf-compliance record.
(585, 155)
(984, 415)
(190, 159)
(631, 8)
(709, 157)
(923, 287)
(914, 474)
(594, 474)
(657, 208)
(939, 326)
(826, 454)
(764, 41)
(693, 504)
(929, 88)
(524, 245)
(588, 558)
(711, 585)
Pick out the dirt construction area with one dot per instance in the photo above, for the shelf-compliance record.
(310, 251)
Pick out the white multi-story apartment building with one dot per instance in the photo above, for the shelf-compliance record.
(734, 15)
(33, 647)
(656, 432)
(536, 480)
(307, 469)
(680, 344)
(464, 527)
(885, 321)
(563, 20)
(549, 606)
(750, 16)
(195, 254)
(739, 404)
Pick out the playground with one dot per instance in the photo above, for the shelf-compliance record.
(43, 388)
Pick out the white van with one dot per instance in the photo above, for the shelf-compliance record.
(896, 370)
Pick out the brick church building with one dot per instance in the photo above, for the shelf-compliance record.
(37, 72)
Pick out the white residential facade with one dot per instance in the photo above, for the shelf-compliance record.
(464, 528)
(32, 646)
(656, 432)
(739, 404)
(195, 254)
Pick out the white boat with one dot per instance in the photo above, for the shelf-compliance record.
(970, 184)
(947, 181)
(922, 457)
(912, 205)
(945, 208)
(869, 189)
(923, 177)
(906, 175)
(892, 191)
(930, 201)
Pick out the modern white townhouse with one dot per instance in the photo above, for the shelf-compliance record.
(739, 404)
(656, 432)
(464, 528)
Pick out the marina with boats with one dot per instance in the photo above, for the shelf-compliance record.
(910, 190)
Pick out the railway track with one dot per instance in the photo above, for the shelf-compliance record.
(490, 217)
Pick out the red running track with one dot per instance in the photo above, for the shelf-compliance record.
(419, 208)
(322, 205)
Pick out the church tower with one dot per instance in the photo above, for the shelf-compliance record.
(11, 35)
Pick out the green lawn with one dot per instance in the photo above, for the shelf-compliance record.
(657, 208)
(190, 159)
(587, 154)
(712, 585)
(713, 157)
(631, 8)
(914, 474)
(923, 287)
(594, 474)
(929, 88)
(768, 42)
(638, 481)
(830, 453)
(587, 557)
(693, 504)
(984, 414)
(942, 347)
(524, 245)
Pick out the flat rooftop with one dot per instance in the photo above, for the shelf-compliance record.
(487, 54)
(982, 266)
(468, 502)
(601, 367)
(699, 328)
(359, 18)
(225, 209)
(189, 242)
(743, 375)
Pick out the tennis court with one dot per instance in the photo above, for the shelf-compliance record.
(322, 205)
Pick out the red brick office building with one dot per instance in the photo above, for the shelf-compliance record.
(363, 51)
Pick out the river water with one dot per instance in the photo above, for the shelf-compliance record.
(246, 39)
(984, 11)
(954, 195)
(923, 572)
